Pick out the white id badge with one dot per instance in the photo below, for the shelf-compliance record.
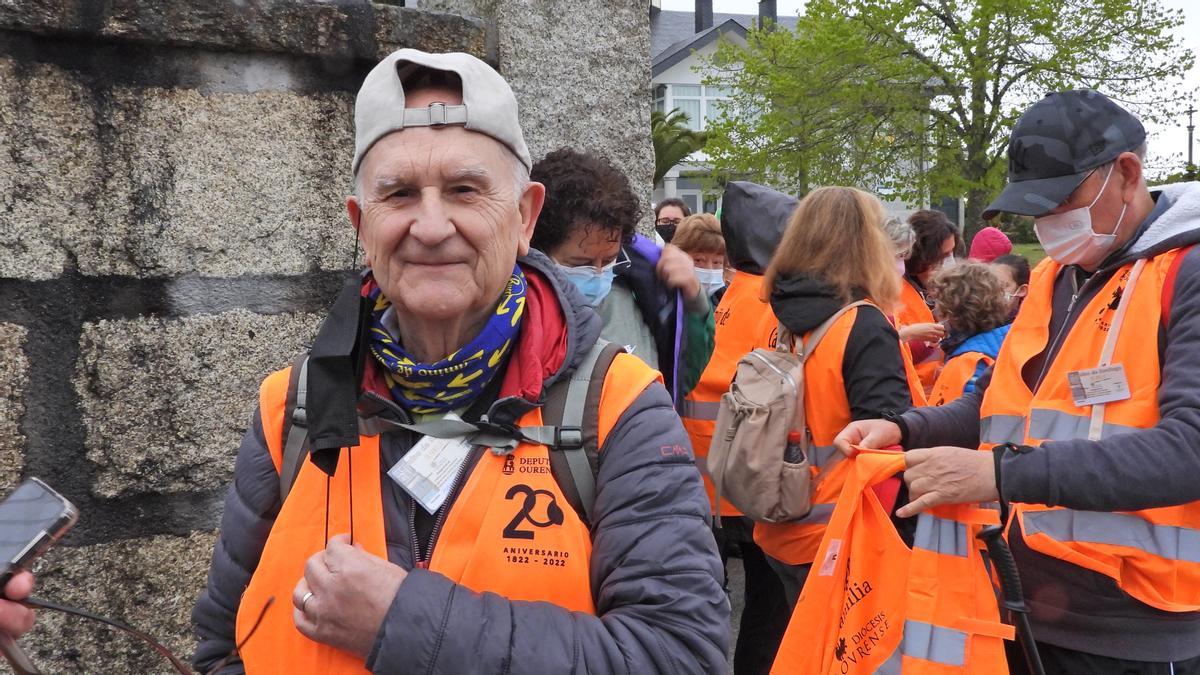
(1099, 385)
(427, 471)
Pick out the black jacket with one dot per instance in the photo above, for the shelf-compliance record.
(873, 369)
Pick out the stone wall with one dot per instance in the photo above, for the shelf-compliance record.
(171, 230)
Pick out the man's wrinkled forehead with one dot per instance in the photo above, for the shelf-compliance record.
(416, 156)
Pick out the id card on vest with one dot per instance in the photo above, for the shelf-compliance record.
(427, 471)
(1099, 385)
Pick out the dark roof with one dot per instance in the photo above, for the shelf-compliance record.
(668, 29)
(684, 48)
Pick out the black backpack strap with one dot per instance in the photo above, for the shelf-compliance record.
(295, 427)
(574, 404)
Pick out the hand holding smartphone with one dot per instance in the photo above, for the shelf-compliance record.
(32, 518)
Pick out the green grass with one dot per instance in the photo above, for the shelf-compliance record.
(1033, 252)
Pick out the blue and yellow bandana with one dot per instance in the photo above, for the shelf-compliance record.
(455, 381)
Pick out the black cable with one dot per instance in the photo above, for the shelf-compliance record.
(37, 603)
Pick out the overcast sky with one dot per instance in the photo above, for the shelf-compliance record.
(1168, 143)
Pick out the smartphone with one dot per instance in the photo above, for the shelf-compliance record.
(32, 518)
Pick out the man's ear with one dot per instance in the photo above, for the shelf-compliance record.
(1131, 175)
(354, 211)
(530, 205)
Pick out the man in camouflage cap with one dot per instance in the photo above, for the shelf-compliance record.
(1091, 413)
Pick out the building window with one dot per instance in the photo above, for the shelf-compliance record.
(714, 103)
(700, 103)
(687, 98)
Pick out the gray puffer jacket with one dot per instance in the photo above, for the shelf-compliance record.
(655, 572)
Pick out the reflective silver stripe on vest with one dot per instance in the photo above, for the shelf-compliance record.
(941, 536)
(892, 666)
(821, 456)
(935, 643)
(819, 515)
(1116, 529)
(1055, 425)
(999, 429)
(699, 410)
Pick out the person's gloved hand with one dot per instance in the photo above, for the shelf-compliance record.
(351, 593)
(678, 272)
(15, 618)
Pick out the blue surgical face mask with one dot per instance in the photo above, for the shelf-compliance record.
(710, 280)
(593, 283)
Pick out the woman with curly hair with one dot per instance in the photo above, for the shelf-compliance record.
(648, 298)
(971, 302)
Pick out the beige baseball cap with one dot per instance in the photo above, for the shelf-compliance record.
(488, 107)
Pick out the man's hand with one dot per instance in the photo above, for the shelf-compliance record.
(946, 475)
(678, 272)
(872, 434)
(351, 592)
(925, 332)
(16, 619)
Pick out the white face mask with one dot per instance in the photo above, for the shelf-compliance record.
(1069, 239)
(900, 266)
(949, 261)
(710, 280)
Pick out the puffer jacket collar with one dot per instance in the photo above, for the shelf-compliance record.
(558, 331)
(988, 342)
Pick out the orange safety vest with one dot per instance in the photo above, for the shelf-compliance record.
(742, 319)
(913, 310)
(510, 531)
(873, 605)
(955, 375)
(1152, 554)
(827, 411)
(916, 388)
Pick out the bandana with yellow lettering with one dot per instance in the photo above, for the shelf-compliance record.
(454, 381)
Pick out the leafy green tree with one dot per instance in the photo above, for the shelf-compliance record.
(673, 140)
(916, 98)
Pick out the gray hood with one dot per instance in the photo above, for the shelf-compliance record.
(753, 218)
(1178, 225)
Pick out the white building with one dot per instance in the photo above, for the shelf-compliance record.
(679, 44)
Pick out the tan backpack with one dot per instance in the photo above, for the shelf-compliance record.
(764, 403)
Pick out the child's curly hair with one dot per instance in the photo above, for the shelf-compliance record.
(970, 298)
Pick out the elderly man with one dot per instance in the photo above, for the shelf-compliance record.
(1092, 410)
(418, 550)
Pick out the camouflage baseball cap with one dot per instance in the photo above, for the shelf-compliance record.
(1056, 143)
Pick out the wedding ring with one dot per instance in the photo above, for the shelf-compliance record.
(304, 601)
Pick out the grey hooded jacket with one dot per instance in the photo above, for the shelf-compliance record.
(655, 573)
(1073, 607)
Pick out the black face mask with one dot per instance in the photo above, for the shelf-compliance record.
(667, 232)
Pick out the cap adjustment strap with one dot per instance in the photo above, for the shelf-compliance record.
(436, 115)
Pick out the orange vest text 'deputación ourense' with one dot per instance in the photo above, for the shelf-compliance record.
(510, 531)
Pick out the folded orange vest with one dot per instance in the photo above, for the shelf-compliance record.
(873, 605)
